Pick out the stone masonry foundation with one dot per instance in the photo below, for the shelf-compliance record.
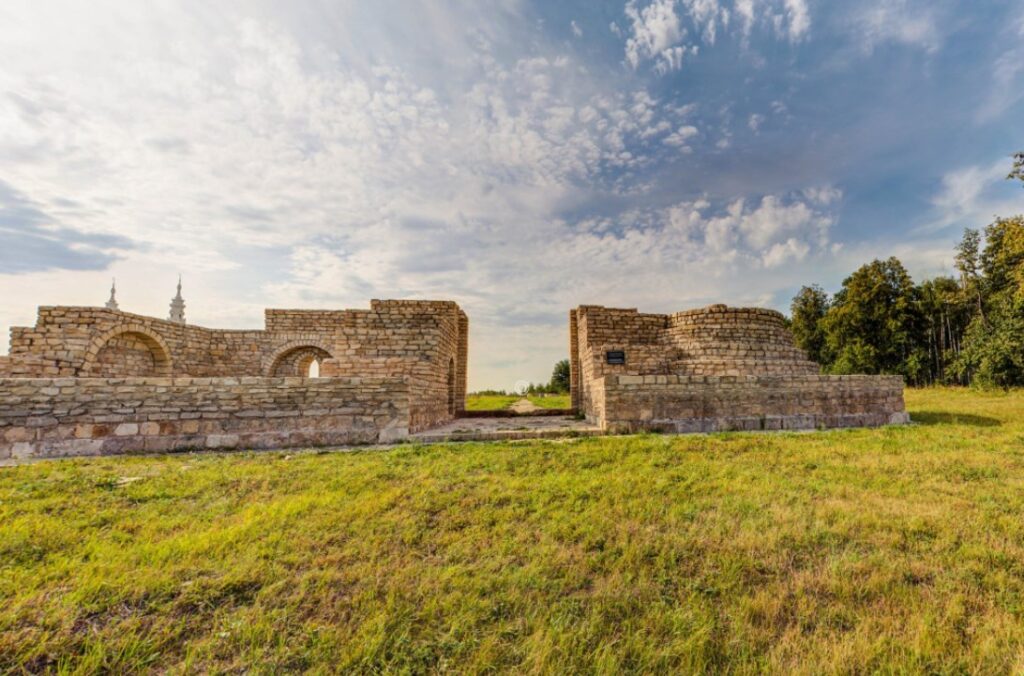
(748, 403)
(54, 417)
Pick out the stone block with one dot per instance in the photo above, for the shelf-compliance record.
(222, 441)
(899, 418)
(19, 434)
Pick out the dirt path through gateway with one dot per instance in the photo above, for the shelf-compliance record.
(524, 405)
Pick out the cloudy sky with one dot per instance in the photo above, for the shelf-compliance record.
(520, 157)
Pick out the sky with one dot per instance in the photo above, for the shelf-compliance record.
(519, 157)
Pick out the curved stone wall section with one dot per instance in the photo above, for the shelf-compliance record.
(719, 340)
(297, 361)
(129, 352)
(710, 369)
(125, 355)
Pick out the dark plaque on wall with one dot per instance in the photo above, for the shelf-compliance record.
(615, 356)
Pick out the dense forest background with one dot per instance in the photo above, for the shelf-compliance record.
(962, 330)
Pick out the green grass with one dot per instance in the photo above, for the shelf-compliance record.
(499, 402)
(490, 402)
(898, 550)
(551, 400)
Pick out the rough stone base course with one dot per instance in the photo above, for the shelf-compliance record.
(726, 403)
(51, 417)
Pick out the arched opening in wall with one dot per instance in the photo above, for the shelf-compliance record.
(451, 387)
(129, 354)
(303, 361)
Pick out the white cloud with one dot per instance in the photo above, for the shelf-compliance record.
(776, 220)
(745, 11)
(799, 19)
(755, 121)
(823, 195)
(665, 31)
(972, 196)
(784, 252)
(576, 30)
(679, 137)
(897, 21)
(656, 31)
(1007, 71)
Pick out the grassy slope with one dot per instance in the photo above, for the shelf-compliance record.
(893, 549)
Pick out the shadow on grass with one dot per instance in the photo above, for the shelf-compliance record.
(944, 418)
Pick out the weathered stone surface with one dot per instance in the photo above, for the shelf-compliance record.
(713, 369)
(426, 341)
(95, 373)
(91, 419)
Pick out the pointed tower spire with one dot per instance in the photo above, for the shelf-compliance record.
(177, 306)
(112, 303)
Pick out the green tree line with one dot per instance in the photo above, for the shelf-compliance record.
(963, 329)
(559, 383)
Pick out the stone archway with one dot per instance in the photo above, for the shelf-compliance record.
(127, 351)
(296, 360)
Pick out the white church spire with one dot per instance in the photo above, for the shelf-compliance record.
(177, 306)
(112, 303)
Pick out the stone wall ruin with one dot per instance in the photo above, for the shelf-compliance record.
(87, 381)
(712, 369)
(397, 368)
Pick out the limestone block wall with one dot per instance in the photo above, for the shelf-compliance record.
(426, 341)
(575, 387)
(595, 329)
(713, 341)
(54, 417)
(427, 406)
(718, 340)
(69, 341)
(722, 403)
(713, 368)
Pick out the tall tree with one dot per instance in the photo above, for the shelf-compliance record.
(808, 311)
(993, 350)
(875, 323)
(993, 355)
(968, 262)
(946, 311)
(560, 377)
(1003, 257)
(1018, 166)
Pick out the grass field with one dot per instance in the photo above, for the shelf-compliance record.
(498, 402)
(490, 402)
(551, 401)
(893, 550)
